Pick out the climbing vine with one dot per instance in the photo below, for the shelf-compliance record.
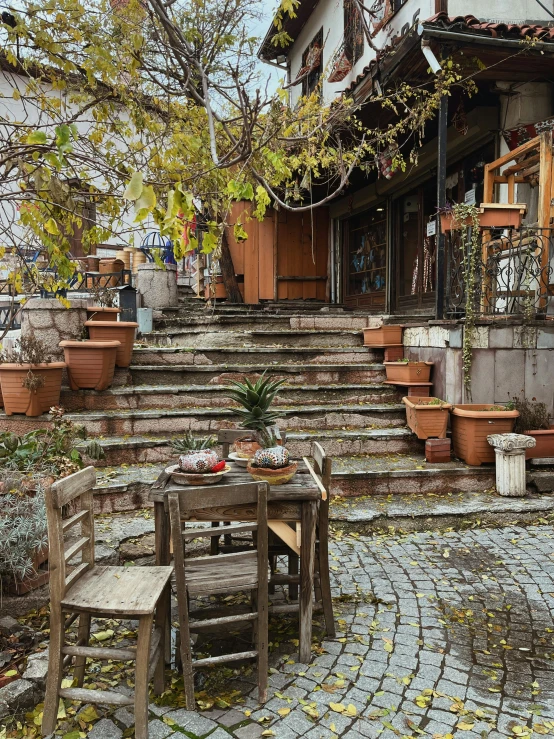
(466, 219)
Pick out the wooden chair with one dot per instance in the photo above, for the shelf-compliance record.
(225, 573)
(105, 592)
(321, 473)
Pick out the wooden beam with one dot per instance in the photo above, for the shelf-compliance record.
(545, 196)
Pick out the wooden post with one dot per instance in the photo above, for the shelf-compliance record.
(441, 202)
(545, 196)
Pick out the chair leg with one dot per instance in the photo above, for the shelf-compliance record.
(160, 621)
(141, 676)
(55, 673)
(262, 646)
(83, 635)
(188, 676)
(214, 541)
(325, 587)
(293, 570)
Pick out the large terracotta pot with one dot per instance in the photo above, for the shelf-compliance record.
(427, 417)
(545, 444)
(408, 371)
(122, 331)
(472, 423)
(19, 399)
(383, 336)
(99, 313)
(90, 364)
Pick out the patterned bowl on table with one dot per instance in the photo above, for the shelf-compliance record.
(200, 461)
(196, 478)
(274, 477)
(274, 457)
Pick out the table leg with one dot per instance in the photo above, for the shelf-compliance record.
(163, 558)
(307, 557)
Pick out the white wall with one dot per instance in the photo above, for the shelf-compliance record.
(329, 14)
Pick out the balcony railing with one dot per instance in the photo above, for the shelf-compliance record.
(512, 275)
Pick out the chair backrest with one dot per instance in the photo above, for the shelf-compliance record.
(77, 491)
(239, 502)
(323, 466)
(226, 437)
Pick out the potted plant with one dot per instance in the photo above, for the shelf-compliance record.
(29, 381)
(90, 364)
(104, 308)
(189, 443)
(256, 400)
(533, 420)
(382, 336)
(272, 465)
(46, 454)
(122, 331)
(23, 537)
(472, 423)
(427, 417)
(405, 370)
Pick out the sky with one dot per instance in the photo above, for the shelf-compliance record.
(260, 29)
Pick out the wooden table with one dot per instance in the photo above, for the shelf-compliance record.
(296, 501)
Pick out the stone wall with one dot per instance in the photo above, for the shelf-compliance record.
(51, 322)
(509, 359)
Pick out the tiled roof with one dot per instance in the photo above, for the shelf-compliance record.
(473, 27)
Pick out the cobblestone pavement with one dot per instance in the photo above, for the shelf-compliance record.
(439, 634)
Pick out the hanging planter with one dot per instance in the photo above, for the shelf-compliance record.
(501, 215)
(341, 68)
(90, 364)
(427, 417)
(472, 423)
(122, 331)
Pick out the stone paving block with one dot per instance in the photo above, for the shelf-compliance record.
(192, 722)
(252, 731)
(158, 730)
(105, 729)
(125, 716)
(231, 718)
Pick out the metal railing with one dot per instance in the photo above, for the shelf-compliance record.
(512, 272)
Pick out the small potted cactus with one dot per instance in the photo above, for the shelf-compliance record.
(272, 464)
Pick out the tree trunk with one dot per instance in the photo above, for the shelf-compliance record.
(228, 272)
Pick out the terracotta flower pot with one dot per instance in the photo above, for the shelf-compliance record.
(122, 331)
(383, 336)
(273, 477)
(99, 313)
(32, 582)
(245, 447)
(90, 364)
(472, 423)
(408, 371)
(19, 399)
(427, 417)
(449, 223)
(505, 215)
(545, 443)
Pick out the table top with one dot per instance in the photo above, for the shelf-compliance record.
(301, 487)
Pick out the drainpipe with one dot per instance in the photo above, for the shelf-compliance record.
(441, 183)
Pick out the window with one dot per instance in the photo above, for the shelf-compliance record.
(312, 63)
(353, 32)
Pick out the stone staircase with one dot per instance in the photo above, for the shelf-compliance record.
(334, 393)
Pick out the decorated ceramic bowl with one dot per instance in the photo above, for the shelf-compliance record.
(196, 478)
(273, 477)
(274, 457)
(200, 461)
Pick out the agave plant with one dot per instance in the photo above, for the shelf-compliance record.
(190, 443)
(256, 400)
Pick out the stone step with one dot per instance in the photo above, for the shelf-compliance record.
(262, 356)
(194, 396)
(204, 420)
(407, 474)
(261, 320)
(156, 449)
(195, 336)
(293, 373)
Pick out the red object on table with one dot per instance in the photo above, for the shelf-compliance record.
(218, 467)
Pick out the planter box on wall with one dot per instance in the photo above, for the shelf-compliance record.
(506, 215)
(122, 331)
(90, 364)
(383, 336)
(545, 443)
(427, 417)
(408, 371)
(19, 399)
(471, 424)
(99, 313)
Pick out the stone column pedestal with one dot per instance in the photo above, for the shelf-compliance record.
(50, 322)
(157, 285)
(510, 462)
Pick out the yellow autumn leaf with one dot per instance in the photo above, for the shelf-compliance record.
(465, 726)
(88, 714)
(337, 707)
(350, 710)
(540, 729)
(283, 711)
(268, 732)
(103, 635)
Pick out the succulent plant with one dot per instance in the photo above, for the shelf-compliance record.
(190, 443)
(256, 400)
